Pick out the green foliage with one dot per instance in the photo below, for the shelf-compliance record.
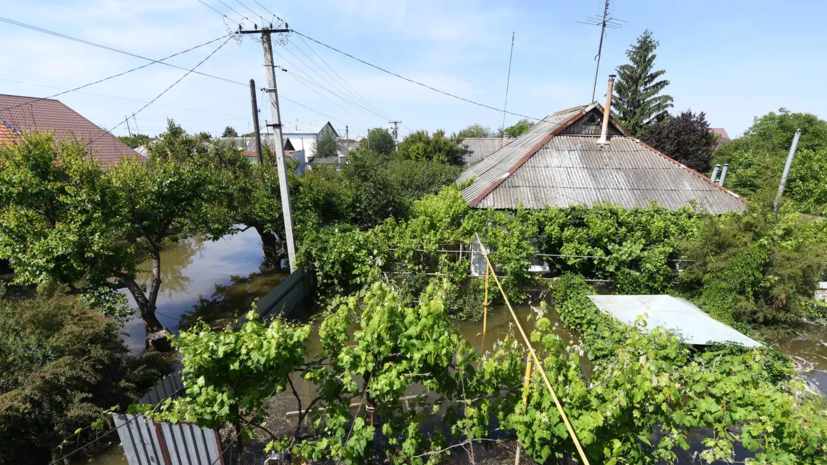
(685, 138)
(135, 141)
(228, 375)
(420, 145)
(517, 129)
(378, 141)
(229, 132)
(756, 161)
(755, 267)
(475, 131)
(62, 366)
(327, 145)
(637, 100)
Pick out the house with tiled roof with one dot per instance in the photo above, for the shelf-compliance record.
(572, 158)
(20, 115)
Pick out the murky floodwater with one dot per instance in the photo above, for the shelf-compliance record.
(215, 281)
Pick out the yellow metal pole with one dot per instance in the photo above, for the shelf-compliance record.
(525, 401)
(536, 360)
(484, 312)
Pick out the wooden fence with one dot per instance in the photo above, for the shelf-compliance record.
(146, 442)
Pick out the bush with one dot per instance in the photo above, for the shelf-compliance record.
(62, 365)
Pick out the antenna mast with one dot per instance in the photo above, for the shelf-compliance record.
(604, 22)
(507, 84)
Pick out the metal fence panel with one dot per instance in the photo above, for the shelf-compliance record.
(146, 442)
(168, 387)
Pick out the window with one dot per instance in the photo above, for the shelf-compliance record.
(593, 120)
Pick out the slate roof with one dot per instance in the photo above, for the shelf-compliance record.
(476, 149)
(304, 127)
(546, 166)
(28, 114)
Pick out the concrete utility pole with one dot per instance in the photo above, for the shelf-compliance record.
(786, 169)
(395, 134)
(272, 91)
(257, 133)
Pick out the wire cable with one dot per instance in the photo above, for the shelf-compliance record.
(114, 75)
(413, 81)
(251, 11)
(234, 11)
(220, 13)
(265, 9)
(301, 81)
(168, 88)
(350, 92)
(93, 44)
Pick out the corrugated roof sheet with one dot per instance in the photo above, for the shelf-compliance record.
(27, 114)
(574, 170)
(304, 127)
(476, 149)
(677, 315)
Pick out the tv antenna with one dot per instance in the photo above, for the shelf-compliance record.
(605, 21)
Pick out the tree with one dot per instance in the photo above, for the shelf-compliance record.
(420, 145)
(63, 367)
(685, 138)
(756, 161)
(135, 141)
(637, 98)
(379, 140)
(475, 130)
(64, 220)
(518, 129)
(229, 132)
(327, 145)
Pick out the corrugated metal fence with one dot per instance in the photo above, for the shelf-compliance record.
(168, 387)
(146, 442)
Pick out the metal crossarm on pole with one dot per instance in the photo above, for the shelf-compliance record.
(534, 356)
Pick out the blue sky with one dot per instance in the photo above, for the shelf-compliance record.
(732, 59)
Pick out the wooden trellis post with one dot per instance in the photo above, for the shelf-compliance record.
(526, 382)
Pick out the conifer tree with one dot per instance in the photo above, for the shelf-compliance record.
(637, 98)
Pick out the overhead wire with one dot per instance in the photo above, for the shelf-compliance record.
(411, 80)
(251, 11)
(234, 11)
(168, 88)
(345, 90)
(116, 75)
(93, 44)
(220, 13)
(301, 81)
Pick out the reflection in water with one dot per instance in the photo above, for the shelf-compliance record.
(192, 269)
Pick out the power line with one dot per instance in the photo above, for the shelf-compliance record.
(337, 74)
(233, 10)
(265, 9)
(93, 44)
(411, 80)
(220, 13)
(168, 88)
(301, 81)
(117, 75)
(251, 11)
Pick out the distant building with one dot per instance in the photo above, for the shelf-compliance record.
(303, 135)
(560, 162)
(724, 137)
(475, 149)
(20, 115)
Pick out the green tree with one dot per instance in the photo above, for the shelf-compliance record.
(135, 141)
(229, 131)
(63, 367)
(327, 145)
(685, 138)
(638, 100)
(66, 221)
(420, 145)
(379, 141)
(756, 161)
(475, 130)
(517, 129)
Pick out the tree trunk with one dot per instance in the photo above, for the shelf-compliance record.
(269, 246)
(157, 336)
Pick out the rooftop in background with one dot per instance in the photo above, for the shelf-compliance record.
(19, 115)
(721, 132)
(679, 316)
(559, 163)
(305, 127)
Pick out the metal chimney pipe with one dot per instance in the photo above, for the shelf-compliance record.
(723, 175)
(607, 111)
(715, 173)
(787, 169)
